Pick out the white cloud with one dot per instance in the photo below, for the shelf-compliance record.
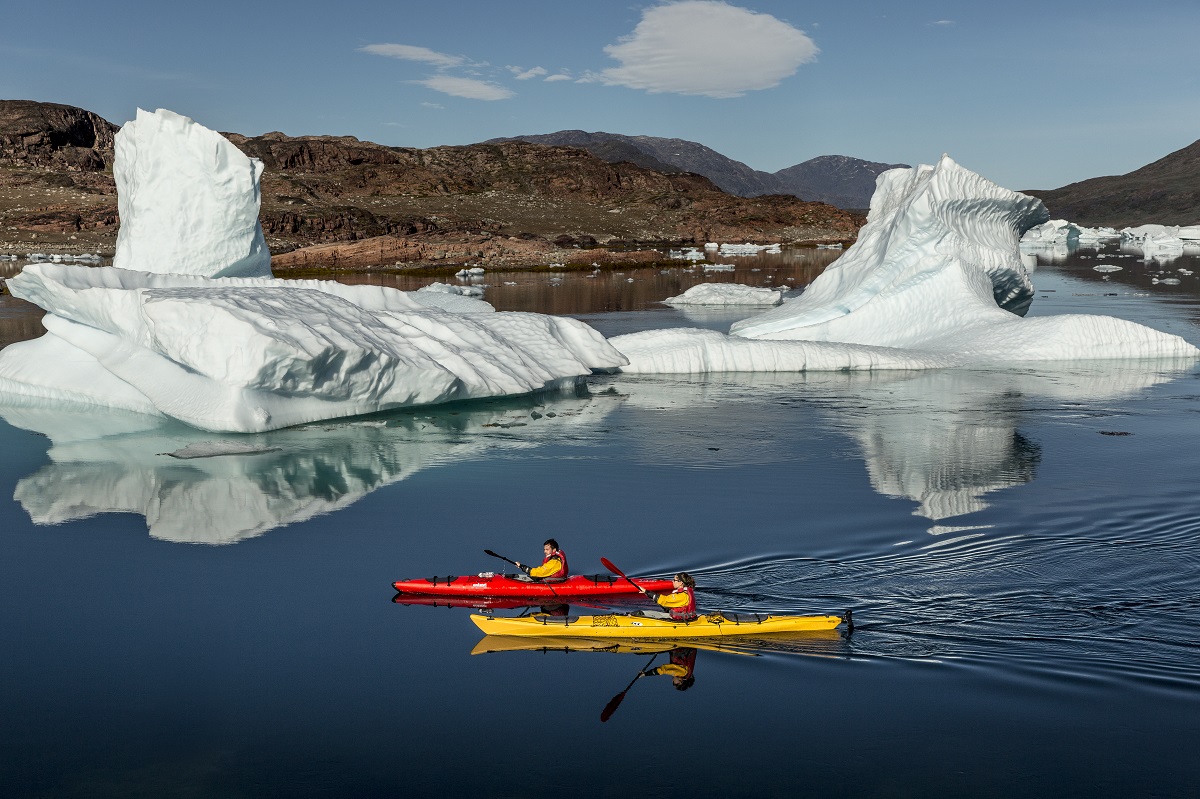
(410, 52)
(469, 88)
(435, 106)
(942, 22)
(526, 74)
(558, 77)
(707, 47)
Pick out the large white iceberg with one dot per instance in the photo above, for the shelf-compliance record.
(187, 326)
(935, 279)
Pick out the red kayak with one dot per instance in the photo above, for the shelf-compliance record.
(577, 586)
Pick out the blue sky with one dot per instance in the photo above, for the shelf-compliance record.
(1030, 95)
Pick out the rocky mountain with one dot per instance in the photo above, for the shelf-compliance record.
(835, 179)
(838, 180)
(341, 201)
(53, 136)
(1166, 192)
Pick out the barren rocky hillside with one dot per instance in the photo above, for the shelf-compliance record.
(339, 201)
(1166, 192)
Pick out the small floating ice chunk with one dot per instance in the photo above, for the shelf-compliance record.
(726, 294)
(213, 449)
(1107, 268)
(445, 288)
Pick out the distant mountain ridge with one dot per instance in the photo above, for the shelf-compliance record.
(838, 180)
(1166, 192)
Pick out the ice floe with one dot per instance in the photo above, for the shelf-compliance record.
(726, 294)
(1051, 234)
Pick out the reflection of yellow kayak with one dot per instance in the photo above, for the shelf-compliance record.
(809, 643)
(708, 625)
(512, 643)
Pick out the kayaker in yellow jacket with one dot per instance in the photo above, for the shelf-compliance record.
(681, 602)
(553, 565)
(680, 669)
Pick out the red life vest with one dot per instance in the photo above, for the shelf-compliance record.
(562, 558)
(684, 656)
(685, 612)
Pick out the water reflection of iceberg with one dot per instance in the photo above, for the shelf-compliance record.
(942, 439)
(119, 463)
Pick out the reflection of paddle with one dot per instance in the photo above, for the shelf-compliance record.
(611, 707)
(608, 564)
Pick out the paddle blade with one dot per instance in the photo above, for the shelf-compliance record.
(608, 564)
(611, 707)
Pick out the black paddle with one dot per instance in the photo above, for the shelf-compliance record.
(513, 562)
(506, 560)
(611, 707)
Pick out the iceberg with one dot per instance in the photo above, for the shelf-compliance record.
(188, 323)
(1054, 233)
(935, 279)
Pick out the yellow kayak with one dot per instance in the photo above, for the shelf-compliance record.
(799, 643)
(708, 625)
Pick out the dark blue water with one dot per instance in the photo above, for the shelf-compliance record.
(1021, 550)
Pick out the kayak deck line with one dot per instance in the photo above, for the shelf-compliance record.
(614, 625)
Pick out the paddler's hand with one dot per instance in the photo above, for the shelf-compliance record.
(643, 590)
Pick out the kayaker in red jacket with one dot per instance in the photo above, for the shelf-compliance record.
(680, 603)
(553, 565)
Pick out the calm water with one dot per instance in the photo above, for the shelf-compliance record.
(1021, 550)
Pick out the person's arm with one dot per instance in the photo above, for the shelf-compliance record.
(546, 569)
(669, 669)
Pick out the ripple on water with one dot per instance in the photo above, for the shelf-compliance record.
(1117, 601)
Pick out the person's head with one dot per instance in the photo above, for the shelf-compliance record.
(550, 547)
(683, 683)
(684, 580)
